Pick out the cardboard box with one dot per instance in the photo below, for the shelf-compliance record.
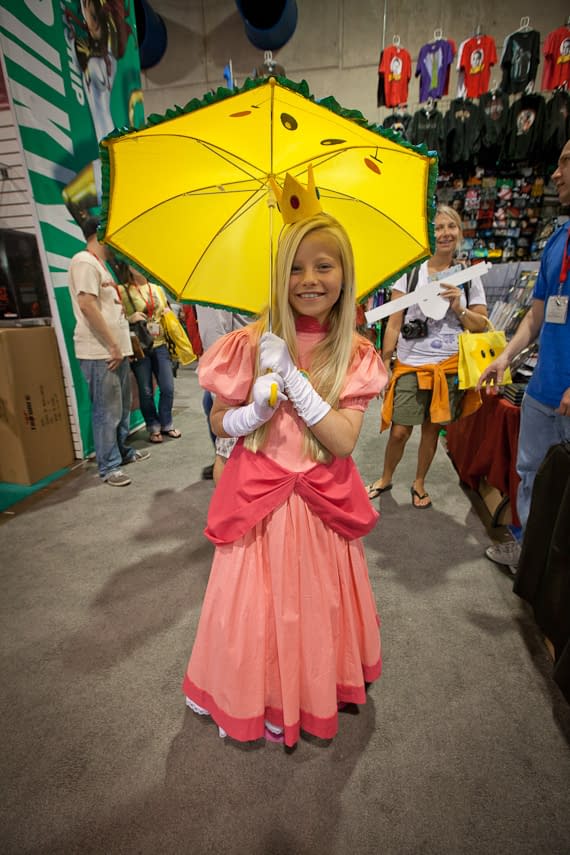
(35, 437)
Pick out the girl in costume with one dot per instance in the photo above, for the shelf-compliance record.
(424, 388)
(145, 301)
(289, 626)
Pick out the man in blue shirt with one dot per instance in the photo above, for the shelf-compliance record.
(545, 411)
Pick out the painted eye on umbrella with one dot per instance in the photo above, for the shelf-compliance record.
(288, 122)
(332, 142)
(372, 165)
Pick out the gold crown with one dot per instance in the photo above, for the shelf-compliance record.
(295, 201)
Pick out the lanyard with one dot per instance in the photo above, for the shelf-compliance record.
(149, 304)
(565, 267)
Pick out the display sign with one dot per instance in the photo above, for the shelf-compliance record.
(72, 71)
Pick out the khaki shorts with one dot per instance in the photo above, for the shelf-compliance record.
(411, 405)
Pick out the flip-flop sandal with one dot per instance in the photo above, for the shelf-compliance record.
(416, 495)
(373, 491)
(154, 437)
(173, 433)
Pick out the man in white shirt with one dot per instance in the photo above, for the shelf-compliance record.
(102, 346)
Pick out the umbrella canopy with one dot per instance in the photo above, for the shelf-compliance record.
(187, 198)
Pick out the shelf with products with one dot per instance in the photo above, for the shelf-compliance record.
(500, 211)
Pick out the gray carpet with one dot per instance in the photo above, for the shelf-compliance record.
(463, 746)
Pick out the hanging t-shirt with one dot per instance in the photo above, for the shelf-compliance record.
(520, 59)
(427, 127)
(556, 52)
(463, 127)
(494, 108)
(398, 122)
(477, 57)
(434, 61)
(556, 126)
(525, 130)
(396, 67)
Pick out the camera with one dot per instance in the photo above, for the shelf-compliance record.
(417, 328)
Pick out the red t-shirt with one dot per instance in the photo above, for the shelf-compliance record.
(477, 57)
(396, 66)
(556, 58)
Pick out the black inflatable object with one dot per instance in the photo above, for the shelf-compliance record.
(151, 31)
(268, 25)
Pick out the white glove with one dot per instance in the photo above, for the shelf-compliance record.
(274, 356)
(242, 421)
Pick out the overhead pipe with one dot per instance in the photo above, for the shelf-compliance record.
(268, 25)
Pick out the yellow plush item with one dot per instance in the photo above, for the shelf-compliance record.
(177, 341)
(476, 352)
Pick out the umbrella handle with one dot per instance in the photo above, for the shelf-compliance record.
(273, 391)
(273, 395)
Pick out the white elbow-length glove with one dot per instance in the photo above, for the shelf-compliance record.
(274, 356)
(242, 421)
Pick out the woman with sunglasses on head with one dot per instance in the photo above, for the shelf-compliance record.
(427, 352)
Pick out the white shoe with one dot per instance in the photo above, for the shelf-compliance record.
(117, 479)
(507, 553)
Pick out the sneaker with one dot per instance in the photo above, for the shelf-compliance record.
(117, 479)
(507, 553)
(208, 472)
(138, 456)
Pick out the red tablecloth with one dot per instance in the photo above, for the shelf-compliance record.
(485, 444)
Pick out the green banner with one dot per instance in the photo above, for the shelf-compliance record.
(73, 72)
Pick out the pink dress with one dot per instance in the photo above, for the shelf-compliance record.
(289, 626)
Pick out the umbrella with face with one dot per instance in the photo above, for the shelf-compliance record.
(189, 199)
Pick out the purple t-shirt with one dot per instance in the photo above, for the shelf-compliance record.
(433, 64)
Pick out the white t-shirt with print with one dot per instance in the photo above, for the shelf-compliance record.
(88, 275)
(441, 341)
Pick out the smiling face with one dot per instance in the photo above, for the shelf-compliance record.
(447, 234)
(561, 176)
(315, 281)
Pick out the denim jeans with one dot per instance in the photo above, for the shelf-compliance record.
(110, 394)
(541, 427)
(158, 364)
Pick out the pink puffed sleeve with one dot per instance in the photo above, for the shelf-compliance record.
(365, 379)
(227, 367)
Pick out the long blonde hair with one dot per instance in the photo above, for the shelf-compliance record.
(331, 357)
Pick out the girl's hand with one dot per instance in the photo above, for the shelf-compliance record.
(137, 316)
(262, 389)
(274, 355)
(241, 421)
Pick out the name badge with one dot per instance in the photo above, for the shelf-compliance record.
(153, 328)
(556, 310)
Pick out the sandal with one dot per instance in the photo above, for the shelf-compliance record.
(173, 433)
(155, 437)
(416, 495)
(374, 491)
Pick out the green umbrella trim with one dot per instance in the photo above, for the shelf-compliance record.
(302, 88)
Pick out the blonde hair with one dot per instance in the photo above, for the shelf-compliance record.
(453, 215)
(331, 357)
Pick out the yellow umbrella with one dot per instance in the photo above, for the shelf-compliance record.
(187, 198)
